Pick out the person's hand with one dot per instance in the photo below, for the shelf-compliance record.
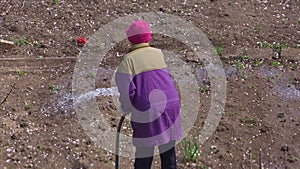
(122, 112)
(125, 113)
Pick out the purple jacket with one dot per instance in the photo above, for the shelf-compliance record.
(147, 91)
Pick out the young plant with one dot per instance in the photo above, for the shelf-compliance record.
(249, 121)
(54, 88)
(90, 75)
(55, 1)
(39, 57)
(21, 72)
(239, 65)
(230, 113)
(276, 47)
(219, 49)
(275, 64)
(258, 62)
(28, 106)
(190, 150)
(281, 117)
(20, 41)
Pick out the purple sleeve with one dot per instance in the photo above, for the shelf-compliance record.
(127, 91)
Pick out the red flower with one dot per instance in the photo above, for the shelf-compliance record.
(81, 40)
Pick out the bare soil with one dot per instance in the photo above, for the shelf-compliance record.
(260, 125)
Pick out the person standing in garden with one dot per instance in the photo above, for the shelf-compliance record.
(148, 93)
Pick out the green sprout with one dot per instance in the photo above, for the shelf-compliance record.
(249, 121)
(90, 75)
(21, 72)
(239, 65)
(190, 150)
(20, 41)
(28, 106)
(219, 49)
(54, 88)
(275, 64)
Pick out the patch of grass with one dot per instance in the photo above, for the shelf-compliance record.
(205, 89)
(23, 124)
(258, 62)
(28, 106)
(54, 88)
(249, 121)
(275, 46)
(190, 150)
(275, 64)
(184, 31)
(239, 65)
(40, 57)
(219, 49)
(20, 41)
(293, 66)
(21, 72)
(281, 117)
(251, 86)
(39, 146)
(244, 76)
(229, 113)
(203, 166)
(90, 75)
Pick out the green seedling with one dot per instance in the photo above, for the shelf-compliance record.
(239, 65)
(35, 43)
(40, 57)
(293, 66)
(251, 86)
(21, 72)
(205, 89)
(190, 150)
(281, 117)
(28, 106)
(54, 88)
(55, 1)
(249, 121)
(285, 19)
(263, 44)
(245, 57)
(275, 64)
(266, 79)
(23, 124)
(20, 41)
(276, 47)
(244, 76)
(184, 31)
(229, 113)
(39, 146)
(219, 49)
(258, 62)
(90, 75)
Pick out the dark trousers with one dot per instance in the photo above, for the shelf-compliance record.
(144, 156)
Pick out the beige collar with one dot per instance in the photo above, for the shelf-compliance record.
(140, 45)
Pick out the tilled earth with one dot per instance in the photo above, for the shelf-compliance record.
(260, 125)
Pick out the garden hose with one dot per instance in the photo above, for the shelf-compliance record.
(118, 140)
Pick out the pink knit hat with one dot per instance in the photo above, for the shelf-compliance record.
(138, 32)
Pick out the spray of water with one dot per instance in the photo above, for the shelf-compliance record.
(63, 104)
